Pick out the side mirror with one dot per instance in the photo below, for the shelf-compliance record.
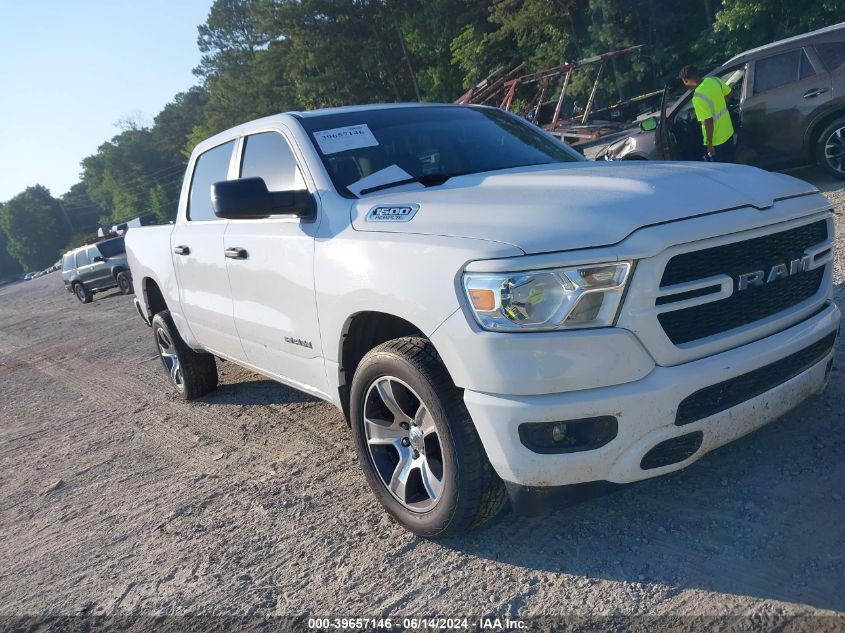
(649, 124)
(99, 258)
(248, 198)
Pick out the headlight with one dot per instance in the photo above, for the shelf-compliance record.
(564, 298)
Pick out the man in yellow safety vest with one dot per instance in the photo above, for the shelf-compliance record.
(708, 100)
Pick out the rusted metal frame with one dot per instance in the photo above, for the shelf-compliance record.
(487, 93)
(559, 105)
(497, 76)
(537, 100)
(593, 92)
(506, 102)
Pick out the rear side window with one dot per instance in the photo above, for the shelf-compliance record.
(268, 156)
(82, 257)
(776, 71)
(211, 167)
(832, 55)
(112, 247)
(67, 262)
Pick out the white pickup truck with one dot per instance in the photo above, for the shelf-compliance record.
(496, 317)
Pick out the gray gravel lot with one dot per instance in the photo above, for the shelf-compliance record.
(116, 497)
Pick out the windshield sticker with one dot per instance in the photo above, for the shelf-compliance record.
(341, 139)
(393, 213)
(394, 173)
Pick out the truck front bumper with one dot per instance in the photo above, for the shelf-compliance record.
(665, 420)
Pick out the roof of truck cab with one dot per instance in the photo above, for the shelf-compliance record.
(250, 126)
(364, 108)
(786, 43)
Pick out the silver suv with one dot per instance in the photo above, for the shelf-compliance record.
(96, 267)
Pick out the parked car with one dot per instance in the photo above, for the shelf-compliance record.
(788, 102)
(491, 312)
(96, 267)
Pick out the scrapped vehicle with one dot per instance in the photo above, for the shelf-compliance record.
(95, 268)
(494, 315)
(787, 101)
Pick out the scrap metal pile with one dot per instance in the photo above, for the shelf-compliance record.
(585, 124)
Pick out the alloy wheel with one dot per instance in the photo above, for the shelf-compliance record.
(404, 444)
(834, 150)
(80, 293)
(170, 358)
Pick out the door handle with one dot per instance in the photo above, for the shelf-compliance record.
(815, 92)
(235, 252)
(182, 250)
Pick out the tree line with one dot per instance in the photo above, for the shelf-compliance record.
(260, 57)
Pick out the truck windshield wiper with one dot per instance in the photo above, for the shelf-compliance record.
(427, 180)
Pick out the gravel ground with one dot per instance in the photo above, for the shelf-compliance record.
(118, 498)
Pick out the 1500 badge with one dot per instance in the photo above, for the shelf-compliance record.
(393, 213)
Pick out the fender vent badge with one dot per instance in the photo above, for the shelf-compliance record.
(392, 213)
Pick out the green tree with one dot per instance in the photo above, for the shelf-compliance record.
(8, 266)
(744, 24)
(35, 228)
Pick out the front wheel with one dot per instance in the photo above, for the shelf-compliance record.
(830, 149)
(417, 444)
(193, 374)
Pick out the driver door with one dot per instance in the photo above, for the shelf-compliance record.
(681, 137)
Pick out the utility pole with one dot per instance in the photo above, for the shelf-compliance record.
(66, 216)
(404, 51)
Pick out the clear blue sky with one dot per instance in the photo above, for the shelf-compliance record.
(71, 69)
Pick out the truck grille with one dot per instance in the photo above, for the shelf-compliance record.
(738, 258)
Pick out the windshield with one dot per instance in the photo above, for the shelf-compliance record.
(396, 144)
(112, 247)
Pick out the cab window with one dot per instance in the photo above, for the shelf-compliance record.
(268, 156)
(82, 258)
(212, 166)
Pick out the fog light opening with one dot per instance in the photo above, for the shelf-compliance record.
(568, 436)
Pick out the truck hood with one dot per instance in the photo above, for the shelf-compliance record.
(580, 205)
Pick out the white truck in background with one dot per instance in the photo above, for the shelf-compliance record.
(496, 317)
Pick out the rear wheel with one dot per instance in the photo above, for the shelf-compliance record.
(193, 374)
(82, 293)
(124, 283)
(417, 444)
(830, 149)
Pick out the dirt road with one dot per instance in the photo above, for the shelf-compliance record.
(116, 497)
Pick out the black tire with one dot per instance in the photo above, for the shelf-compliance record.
(124, 282)
(82, 293)
(830, 149)
(470, 491)
(196, 372)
